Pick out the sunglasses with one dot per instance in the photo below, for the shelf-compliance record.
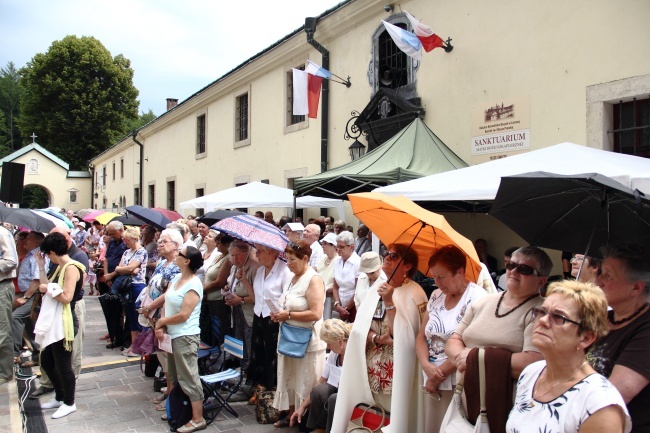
(554, 318)
(522, 269)
(391, 256)
(180, 253)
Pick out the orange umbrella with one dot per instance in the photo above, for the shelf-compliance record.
(396, 219)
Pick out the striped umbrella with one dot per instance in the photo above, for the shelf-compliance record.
(253, 230)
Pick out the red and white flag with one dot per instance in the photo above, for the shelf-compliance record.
(300, 98)
(429, 39)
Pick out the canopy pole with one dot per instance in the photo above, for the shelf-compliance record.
(593, 230)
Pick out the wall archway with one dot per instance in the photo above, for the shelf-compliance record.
(36, 196)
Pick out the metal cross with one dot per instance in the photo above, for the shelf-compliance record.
(33, 137)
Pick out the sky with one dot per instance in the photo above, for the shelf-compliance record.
(176, 47)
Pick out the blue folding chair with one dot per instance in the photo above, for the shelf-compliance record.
(209, 355)
(228, 381)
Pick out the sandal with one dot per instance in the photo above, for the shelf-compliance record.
(29, 364)
(161, 408)
(91, 293)
(104, 337)
(163, 417)
(283, 423)
(159, 398)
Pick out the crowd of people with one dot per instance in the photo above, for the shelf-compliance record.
(568, 355)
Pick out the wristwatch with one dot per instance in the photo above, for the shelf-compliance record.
(337, 303)
(27, 298)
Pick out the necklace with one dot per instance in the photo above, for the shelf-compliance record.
(531, 402)
(496, 312)
(610, 315)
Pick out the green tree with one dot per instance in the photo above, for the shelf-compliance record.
(78, 98)
(5, 142)
(11, 93)
(34, 197)
(138, 123)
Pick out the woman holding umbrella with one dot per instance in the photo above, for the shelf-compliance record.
(270, 280)
(623, 356)
(382, 346)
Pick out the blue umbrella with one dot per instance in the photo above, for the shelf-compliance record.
(59, 215)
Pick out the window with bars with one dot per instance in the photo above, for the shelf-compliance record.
(241, 117)
(171, 195)
(393, 63)
(632, 127)
(121, 168)
(291, 118)
(200, 134)
(136, 196)
(152, 195)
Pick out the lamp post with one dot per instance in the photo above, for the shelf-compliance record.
(98, 187)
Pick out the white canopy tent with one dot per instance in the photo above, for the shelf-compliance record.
(481, 182)
(260, 195)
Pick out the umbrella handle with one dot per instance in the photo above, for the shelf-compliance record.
(401, 259)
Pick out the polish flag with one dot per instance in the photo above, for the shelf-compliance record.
(426, 36)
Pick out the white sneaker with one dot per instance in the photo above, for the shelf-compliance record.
(64, 410)
(52, 404)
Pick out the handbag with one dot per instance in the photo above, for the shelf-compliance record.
(293, 340)
(368, 418)
(122, 285)
(143, 343)
(455, 420)
(264, 410)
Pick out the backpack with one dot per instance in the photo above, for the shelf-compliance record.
(179, 408)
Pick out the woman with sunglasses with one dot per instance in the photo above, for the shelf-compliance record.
(502, 321)
(301, 304)
(382, 347)
(446, 308)
(563, 393)
(182, 302)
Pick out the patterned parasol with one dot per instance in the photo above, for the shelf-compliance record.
(253, 230)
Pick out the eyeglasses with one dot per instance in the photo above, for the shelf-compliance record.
(554, 318)
(391, 256)
(432, 395)
(522, 269)
(341, 247)
(577, 259)
(164, 241)
(180, 253)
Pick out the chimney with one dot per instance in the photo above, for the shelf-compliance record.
(171, 103)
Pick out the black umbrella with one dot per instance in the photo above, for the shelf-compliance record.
(578, 213)
(149, 216)
(129, 220)
(217, 215)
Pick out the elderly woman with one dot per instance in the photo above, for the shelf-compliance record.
(57, 317)
(370, 274)
(382, 347)
(563, 393)
(271, 278)
(216, 278)
(240, 295)
(304, 297)
(182, 303)
(623, 356)
(168, 244)
(134, 262)
(322, 399)
(326, 270)
(585, 268)
(447, 307)
(346, 272)
(506, 312)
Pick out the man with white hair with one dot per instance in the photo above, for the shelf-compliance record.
(195, 236)
(312, 234)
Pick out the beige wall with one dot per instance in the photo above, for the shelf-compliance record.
(550, 53)
(53, 178)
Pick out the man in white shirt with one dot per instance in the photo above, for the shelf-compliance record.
(312, 234)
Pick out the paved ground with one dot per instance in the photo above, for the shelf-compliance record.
(115, 399)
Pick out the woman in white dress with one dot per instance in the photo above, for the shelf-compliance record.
(562, 393)
(301, 304)
(446, 308)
